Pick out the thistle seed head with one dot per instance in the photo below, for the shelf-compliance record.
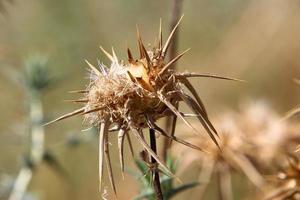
(133, 96)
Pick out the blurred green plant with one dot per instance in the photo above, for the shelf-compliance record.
(167, 183)
(36, 80)
(37, 76)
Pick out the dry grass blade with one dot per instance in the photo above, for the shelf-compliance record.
(142, 141)
(108, 162)
(76, 112)
(121, 137)
(168, 42)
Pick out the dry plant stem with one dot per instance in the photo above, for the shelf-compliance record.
(176, 13)
(155, 174)
(224, 183)
(21, 184)
(36, 150)
(171, 121)
(207, 168)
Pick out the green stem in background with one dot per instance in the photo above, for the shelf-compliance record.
(171, 121)
(36, 149)
(37, 130)
(155, 173)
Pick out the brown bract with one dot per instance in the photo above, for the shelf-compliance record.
(288, 181)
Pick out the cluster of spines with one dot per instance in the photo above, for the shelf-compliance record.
(195, 105)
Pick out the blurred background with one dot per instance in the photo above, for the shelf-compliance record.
(253, 40)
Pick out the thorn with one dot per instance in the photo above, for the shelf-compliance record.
(110, 57)
(114, 55)
(77, 100)
(78, 91)
(121, 137)
(103, 129)
(143, 51)
(97, 72)
(160, 35)
(130, 145)
(130, 58)
(139, 137)
(131, 76)
(171, 62)
(170, 37)
(190, 75)
(78, 111)
(108, 163)
(92, 110)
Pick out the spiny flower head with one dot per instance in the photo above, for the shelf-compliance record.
(288, 181)
(133, 96)
(254, 141)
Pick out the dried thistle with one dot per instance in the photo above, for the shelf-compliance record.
(267, 138)
(133, 96)
(221, 164)
(254, 142)
(288, 181)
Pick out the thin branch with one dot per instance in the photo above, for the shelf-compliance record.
(155, 174)
(176, 13)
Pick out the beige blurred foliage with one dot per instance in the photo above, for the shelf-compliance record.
(255, 142)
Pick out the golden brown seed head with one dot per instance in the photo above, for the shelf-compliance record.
(134, 95)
